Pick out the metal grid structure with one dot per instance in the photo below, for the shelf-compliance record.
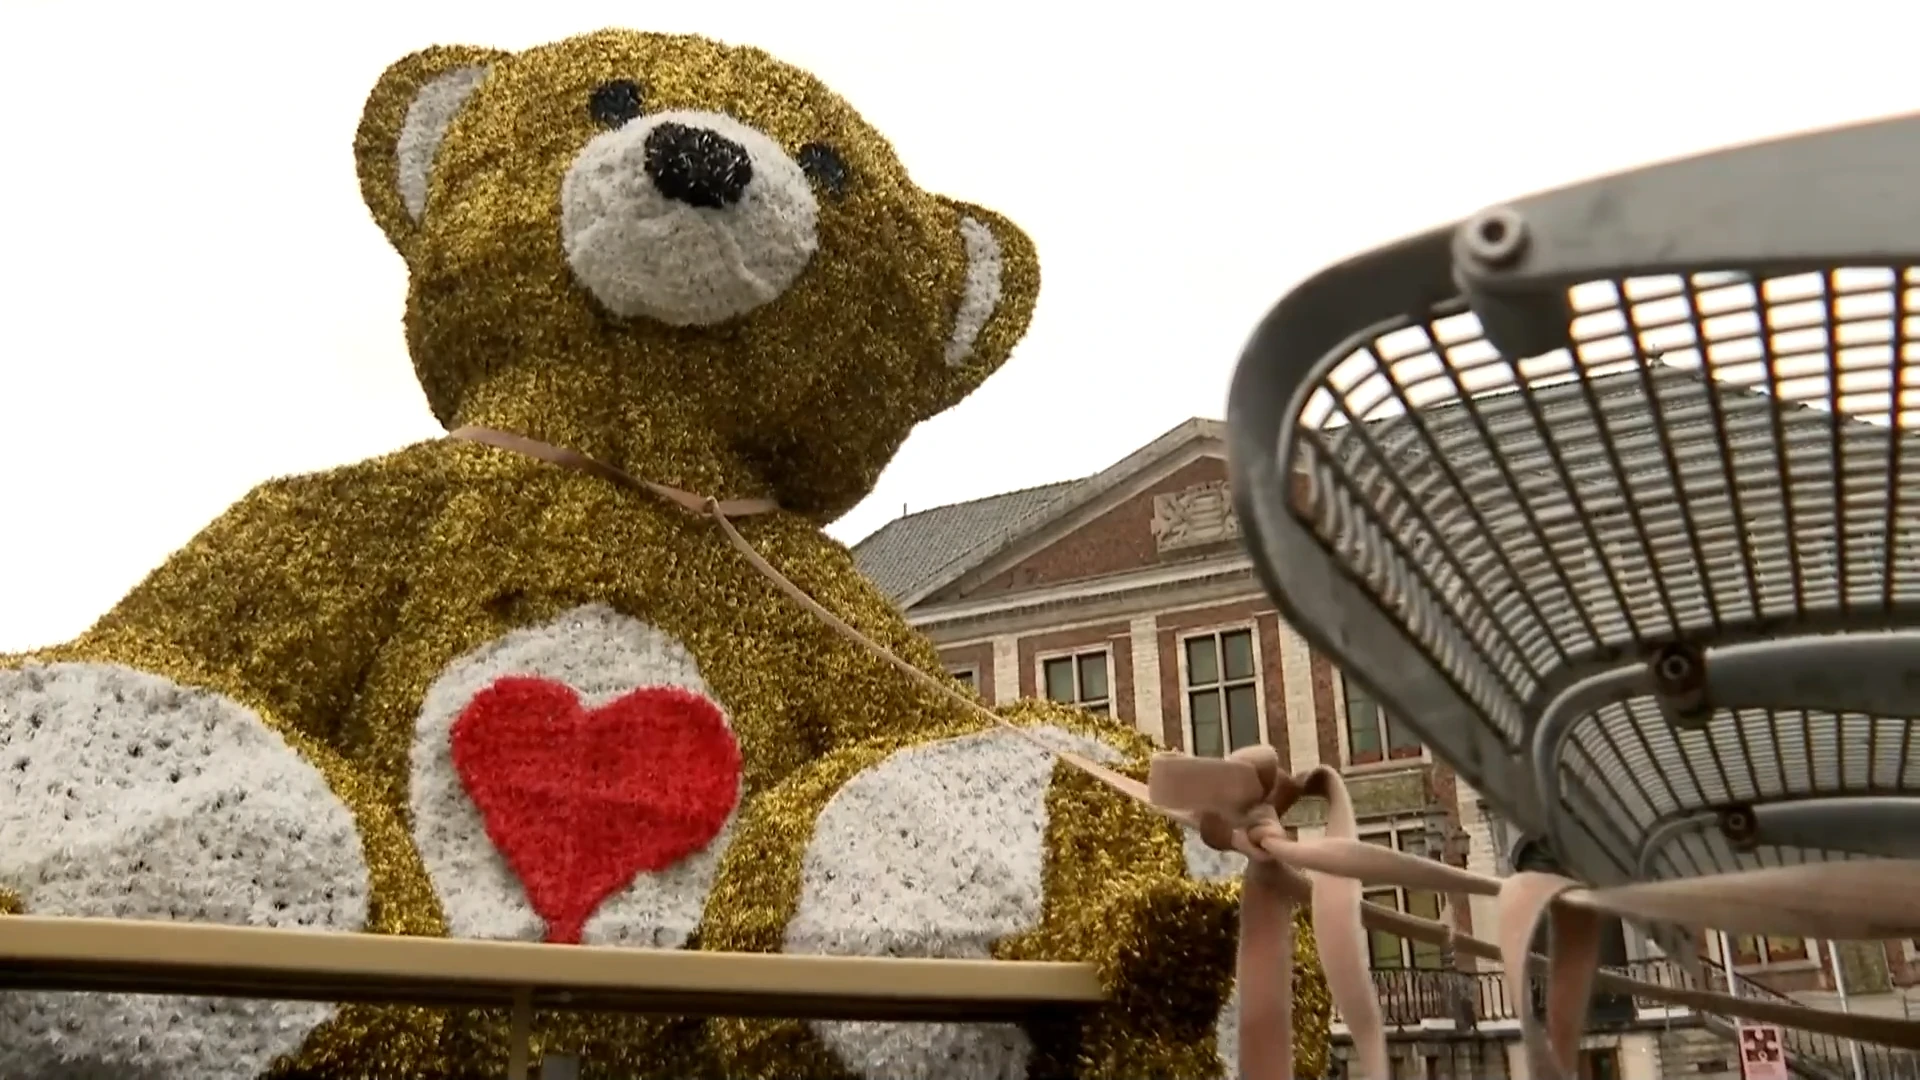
(1628, 527)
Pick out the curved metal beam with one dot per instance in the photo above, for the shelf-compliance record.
(1876, 826)
(1839, 197)
(1884, 826)
(1555, 727)
(1875, 672)
(1666, 833)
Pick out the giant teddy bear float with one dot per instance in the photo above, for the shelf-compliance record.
(458, 690)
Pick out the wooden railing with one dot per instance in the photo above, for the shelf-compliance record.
(61, 954)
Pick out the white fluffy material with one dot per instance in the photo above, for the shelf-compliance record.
(425, 128)
(1226, 1035)
(644, 255)
(602, 655)
(125, 795)
(936, 851)
(1207, 864)
(981, 295)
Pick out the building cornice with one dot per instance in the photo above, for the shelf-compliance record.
(1118, 596)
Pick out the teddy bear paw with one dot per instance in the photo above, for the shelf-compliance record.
(125, 795)
(937, 851)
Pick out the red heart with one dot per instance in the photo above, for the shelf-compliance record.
(581, 800)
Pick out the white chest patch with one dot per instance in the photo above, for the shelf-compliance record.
(936, 851)
(125, 795)
(601, 658)
(1205, 863)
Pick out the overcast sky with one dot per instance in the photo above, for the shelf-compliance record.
(195, 299)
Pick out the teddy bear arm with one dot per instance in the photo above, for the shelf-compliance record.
(156, 771)
(281, 602)
(981, 844)
(854, 693)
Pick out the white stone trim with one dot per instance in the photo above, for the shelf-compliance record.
(1006, 669)
(1148, 716)
(970, 671)
(1303, 720)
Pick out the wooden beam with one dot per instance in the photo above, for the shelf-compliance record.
(110, 955)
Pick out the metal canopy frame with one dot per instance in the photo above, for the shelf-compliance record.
(1611, 495)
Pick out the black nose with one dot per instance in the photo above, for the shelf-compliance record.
(697, 166)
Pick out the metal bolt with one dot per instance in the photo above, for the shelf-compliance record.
(1679, 675)
(1497, 237)
(1740, 827)
(1675, 667)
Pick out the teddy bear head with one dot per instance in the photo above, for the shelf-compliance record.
(689, 257)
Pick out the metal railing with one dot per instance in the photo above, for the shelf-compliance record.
(1411, 998)
(1809, 1053)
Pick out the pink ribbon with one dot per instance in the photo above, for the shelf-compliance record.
(1237, 802)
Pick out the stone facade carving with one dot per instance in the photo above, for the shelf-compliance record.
(1195, 516)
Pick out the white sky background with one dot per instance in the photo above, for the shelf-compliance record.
(193, 298)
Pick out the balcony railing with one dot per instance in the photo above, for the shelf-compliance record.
(1812, 1054)
(1411, 997)
(1415, 998)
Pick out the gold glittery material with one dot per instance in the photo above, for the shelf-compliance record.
(1312, 1002)
(331, 602)
(381, 120)
(10, 903)
(805, 400)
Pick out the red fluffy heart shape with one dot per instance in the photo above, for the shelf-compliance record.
(579, 801)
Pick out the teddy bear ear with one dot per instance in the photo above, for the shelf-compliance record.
(406, 118)
(997, 294)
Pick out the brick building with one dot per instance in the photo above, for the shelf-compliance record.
(1128, 592)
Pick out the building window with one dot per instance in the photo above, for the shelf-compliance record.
(1371, 735)
(967, 677)
(1751, 951)
(1080, 679)
(1223, 692)
(1390, 951)
(1600, 1063)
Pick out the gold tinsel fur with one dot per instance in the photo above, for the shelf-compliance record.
(329, 602)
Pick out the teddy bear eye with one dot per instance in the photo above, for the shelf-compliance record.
(614, 103)
(824, 166)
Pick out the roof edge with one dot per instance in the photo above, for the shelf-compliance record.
(1072, 498)
(902, 519)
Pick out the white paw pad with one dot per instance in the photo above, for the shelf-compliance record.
(124, 795)
(936, 851)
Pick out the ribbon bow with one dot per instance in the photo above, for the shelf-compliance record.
(1236, 803)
